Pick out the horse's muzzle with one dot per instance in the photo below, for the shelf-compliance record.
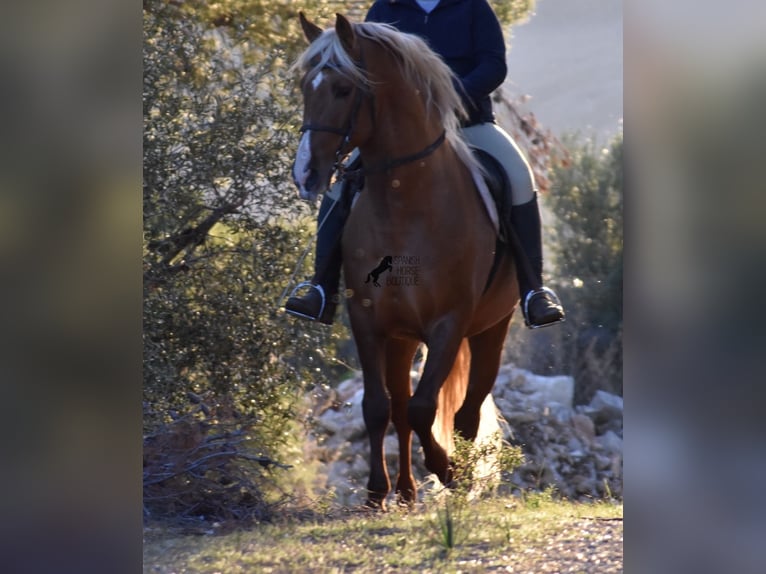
(308, 184)
(306, 175)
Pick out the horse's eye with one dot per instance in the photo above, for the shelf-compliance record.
(340, 91)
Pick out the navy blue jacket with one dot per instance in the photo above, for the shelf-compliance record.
(466, 34)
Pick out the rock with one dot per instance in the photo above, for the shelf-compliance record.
(603, 462)
(345, 420)
(349, 387)
(509, 378)
(575, 449)
(602, 400)
(604, 407)
(610, 442)
(542, 392)
(539, 473)
(360, 468)
(329, 422)
(559, 413)
(521, 417)
(583, 485)
(616, 467)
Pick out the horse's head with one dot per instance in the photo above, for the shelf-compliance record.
(335, 88)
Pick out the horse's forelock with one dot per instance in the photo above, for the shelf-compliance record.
(327, 51)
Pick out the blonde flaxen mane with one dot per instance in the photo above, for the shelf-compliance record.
(420, 66)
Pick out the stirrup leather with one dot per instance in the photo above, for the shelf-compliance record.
(321, 293)
(525, 308)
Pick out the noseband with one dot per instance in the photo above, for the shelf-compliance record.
(347, 131)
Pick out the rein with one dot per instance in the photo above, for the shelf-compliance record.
(394, 163)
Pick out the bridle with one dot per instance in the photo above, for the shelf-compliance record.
(347, 131)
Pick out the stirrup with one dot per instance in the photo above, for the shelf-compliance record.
(525, 309)
(321, 293)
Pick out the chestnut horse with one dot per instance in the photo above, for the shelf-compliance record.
(452, 286)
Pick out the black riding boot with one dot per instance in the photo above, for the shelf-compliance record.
(540, 305)
(319, 303)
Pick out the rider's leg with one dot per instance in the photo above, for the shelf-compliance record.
(320, 301)
(540, 305)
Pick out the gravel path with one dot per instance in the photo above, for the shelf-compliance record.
(588, 546)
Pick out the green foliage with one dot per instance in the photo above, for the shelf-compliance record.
(587, 201)
(257, 26)
(274, 22)
(449, 521)
(214, 330)
(536, 499)
(476, 469)
(223, 231)
(472, 462)
(584, 259)
(510, 11)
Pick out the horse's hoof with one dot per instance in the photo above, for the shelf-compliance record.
(405, 499)
(449, 479)
(376, 504)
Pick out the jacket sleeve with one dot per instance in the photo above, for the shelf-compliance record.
(372, 13)
(489, 53)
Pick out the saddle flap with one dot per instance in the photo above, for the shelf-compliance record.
(495, 190)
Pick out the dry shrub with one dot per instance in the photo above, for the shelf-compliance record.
(200, 471)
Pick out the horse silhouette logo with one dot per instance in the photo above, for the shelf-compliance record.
(386, 264)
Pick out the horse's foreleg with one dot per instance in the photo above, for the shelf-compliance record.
(399, 355)
(376, 409)
(421, 410)
(486, 354)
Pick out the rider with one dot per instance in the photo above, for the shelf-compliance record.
(468, 36)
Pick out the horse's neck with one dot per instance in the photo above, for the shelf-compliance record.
(402, 138)
(403, 129)
(412, 197)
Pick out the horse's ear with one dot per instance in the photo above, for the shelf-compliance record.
(346, 33)
(311, 30)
